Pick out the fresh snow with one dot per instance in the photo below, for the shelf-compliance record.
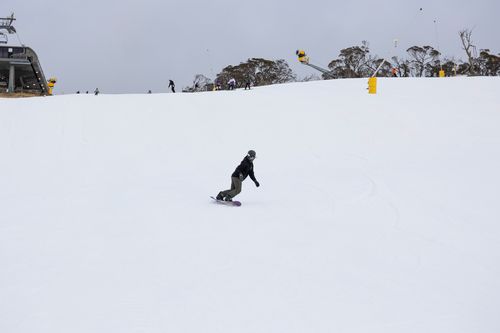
(376, 213)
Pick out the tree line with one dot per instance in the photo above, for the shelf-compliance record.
(256, 71)
(356, 62)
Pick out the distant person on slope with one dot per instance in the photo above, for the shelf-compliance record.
(96, 91)
(394, 72)
(232, 84)
(242, 171)
(171, 85)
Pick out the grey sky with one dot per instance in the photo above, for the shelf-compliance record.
(132, 46)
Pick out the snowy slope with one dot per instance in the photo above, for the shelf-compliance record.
(376, 213)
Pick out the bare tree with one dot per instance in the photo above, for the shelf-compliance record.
(488, 63)
(402, 66)
(450, 66)
(311, 77)
(469, 48)
(258, 72)
(200, 83)
(354, 61)
(422, 56)
(384, 67)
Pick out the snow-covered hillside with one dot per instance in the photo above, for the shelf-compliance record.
(376, 213)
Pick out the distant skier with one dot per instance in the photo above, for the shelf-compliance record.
(247, 84)
(171, 85)
(394, 72)
(96, 91)
(242, 171)
(231, 83)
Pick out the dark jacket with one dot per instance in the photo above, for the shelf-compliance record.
(244, 169)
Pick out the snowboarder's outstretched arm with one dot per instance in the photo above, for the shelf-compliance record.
(252, 177)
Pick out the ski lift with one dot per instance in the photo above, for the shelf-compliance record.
(6, 23)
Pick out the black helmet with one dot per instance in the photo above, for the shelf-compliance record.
(251, 154)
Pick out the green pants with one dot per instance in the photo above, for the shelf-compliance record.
(235, 188)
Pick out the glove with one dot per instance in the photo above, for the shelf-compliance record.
(257, 183)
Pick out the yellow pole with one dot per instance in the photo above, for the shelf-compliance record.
(372, 85)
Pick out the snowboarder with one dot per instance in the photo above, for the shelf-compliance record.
(242, 171)
(247, 84)
(96, 91)
(171, 85)
(231, 83)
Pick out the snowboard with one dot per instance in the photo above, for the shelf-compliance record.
(227, 203)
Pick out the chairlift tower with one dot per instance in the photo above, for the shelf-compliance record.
(20, 69)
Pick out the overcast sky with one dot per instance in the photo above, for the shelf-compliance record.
(133, 46)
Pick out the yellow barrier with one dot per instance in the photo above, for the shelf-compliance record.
(372, 85)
